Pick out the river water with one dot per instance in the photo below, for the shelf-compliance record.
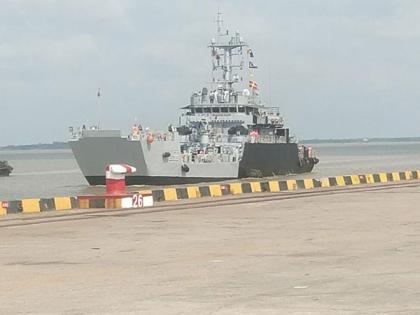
(48, 173)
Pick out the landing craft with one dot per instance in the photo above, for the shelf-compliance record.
(225, 132)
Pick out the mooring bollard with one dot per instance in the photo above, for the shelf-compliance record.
(115, 178)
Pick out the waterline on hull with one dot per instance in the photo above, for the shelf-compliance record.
(158, 180)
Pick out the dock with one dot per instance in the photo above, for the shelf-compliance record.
(353, 251)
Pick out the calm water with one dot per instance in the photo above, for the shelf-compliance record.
(47, 173)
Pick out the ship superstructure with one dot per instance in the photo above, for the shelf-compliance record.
(225, 132)
(230, 102)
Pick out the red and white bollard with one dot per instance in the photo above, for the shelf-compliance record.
(116, 197)
(115, 178)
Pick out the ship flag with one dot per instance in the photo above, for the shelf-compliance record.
(252, 65)
(253, 85)
(99, 92)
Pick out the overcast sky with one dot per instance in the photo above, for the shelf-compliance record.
(338, 68)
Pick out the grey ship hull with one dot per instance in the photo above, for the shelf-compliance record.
(157, 180)
(258, 160)
(94, 153)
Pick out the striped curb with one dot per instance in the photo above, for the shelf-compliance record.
(194, 192)
(217, 190)
(131, 200)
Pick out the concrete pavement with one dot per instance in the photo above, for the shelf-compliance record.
(354, 253)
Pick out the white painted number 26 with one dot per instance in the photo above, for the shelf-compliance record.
(137, 201)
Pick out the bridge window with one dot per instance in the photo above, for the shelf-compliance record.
(280, 132)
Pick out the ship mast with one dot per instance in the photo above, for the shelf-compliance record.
(224, 48)
(219, 21)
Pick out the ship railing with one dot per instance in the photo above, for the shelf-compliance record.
(266, 139)
(226, 138)
(253, 139)
(202, 158)
(167, 136)
(75, 133)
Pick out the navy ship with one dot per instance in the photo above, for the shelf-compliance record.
(5, 168)
(225, 132)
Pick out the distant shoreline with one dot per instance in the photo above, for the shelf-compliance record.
(39, 146)
(64, 145)
(362, 140)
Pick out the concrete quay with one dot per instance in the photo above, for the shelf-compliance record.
(349, 253)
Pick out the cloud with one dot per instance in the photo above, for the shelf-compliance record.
(329, 62)
(47, 52)
(108, 10)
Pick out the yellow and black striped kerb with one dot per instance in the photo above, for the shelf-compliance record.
(200, 191)
(215, 190)
(63, 203)
(38, 205)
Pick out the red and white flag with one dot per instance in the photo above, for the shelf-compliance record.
(253, 85)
